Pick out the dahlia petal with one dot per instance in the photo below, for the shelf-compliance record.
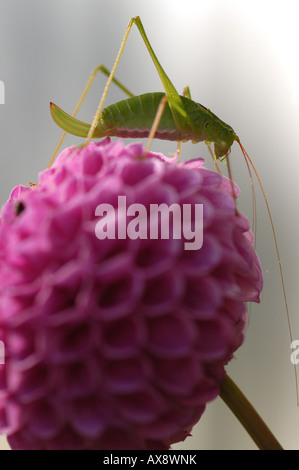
(8, 213)
(46, 420)
(116, 438)
(59, 231)
(211, 346)
(89, 417)
(31, 384)
(162, 293)
(183, 179)
(119, 297)
(210, 178)
(155, 257)
(165, 426)
(226, 186)
(178, 376)
(93, 162)
(202, 296)
(23, 348)
(62, 158)
(208, 208)
(122, 338)
(70, 343)
(110, 270)
(152, 193)
(79, 379)
(170, 336)
(132, 172)
(23, 441)
(13, 416)
(127, 375)
(141, 407)
(196, 163)
(199, 262)
(220, 200)
(66, 439)
(206, 390)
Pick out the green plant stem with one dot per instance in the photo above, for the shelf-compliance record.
(247, 415)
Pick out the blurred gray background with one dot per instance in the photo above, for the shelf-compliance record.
(240, 59)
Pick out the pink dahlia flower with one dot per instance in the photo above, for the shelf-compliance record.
(117, 343)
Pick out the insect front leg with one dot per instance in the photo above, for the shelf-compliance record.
(214, 158)
(187, 93)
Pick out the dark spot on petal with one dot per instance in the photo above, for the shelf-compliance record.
(19, 207)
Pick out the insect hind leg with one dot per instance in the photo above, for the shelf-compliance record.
(105, 71)
(100, 68)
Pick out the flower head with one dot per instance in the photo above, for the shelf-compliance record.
(117, 343)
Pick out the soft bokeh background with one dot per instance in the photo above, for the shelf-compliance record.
(240, 59)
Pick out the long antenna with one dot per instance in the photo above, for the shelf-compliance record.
(253, 197)
(247, 159)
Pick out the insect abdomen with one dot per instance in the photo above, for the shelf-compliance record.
(134, 118)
